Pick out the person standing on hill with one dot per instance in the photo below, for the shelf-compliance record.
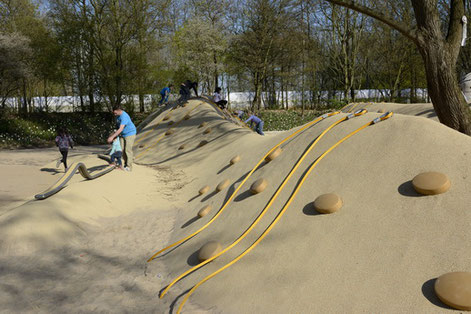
(185, 91)
(258, 123)
(63, 141)
(164, 93)
(127, 133)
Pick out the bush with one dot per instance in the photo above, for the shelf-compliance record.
(40, 129)
(279, 120)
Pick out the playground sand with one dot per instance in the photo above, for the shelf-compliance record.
(85, 249)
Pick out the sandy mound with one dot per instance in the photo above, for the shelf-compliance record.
(379, 253)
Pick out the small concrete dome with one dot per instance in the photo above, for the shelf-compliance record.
(204, 211)
(188, 116)
(221, 186)
(170, 132)
(235, 160)
(183, 146)
(141, 146)
(203, 124)
(204, 189)
(431, 183)
(202, 143)
(209, 250)
(166, 117)
(454, 289)
(274, 154)
(207, 131)
(328, 203)
(258, 186)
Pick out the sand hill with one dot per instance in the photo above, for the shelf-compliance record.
(85, 248)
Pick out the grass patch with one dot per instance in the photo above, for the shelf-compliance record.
(281, 120)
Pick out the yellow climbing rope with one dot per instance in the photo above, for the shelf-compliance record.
(270, 203)
(163, 135)
(353, 107)
(242, 183)
(282, 211)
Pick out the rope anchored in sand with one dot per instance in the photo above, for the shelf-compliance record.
(243, 182)
(285, 207)
(270, 203)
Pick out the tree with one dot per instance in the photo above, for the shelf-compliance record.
(439, 46)
(198, 45)
(15, 67)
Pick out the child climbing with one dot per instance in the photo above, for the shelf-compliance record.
(63, 141)
(116, 153)
(164, 93)
(185, 91)
(217, 98)
(258, 123)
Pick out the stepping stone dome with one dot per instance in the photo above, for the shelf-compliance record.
(431, 183)
(209, 250)
(274, 154)
(204, 211)
(328, 203)
(258, 186)
(235, 160)
(221, 186)
(204, 189)
(454, 289)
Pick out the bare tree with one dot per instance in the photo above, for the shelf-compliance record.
(439, 45)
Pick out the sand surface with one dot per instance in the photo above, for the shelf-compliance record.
(85, 248)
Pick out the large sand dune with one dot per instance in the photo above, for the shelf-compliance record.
(85, 249)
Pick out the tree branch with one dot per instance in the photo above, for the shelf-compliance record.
(400, 27)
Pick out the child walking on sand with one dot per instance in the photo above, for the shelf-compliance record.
(63, 141)
(116, 153)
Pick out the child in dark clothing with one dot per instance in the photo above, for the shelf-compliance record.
(63, 141)
(217, 98)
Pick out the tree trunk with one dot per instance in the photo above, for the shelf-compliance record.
(258, 91)
(141, 101)
(443, 88)
(216, 74)
(24, 110)
(91, 98)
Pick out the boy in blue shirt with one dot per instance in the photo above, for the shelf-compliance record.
(164, 93)
(116, 153)
(258, 123)
(127, 132)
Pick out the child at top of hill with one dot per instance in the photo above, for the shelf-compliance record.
(217, 98)
(116, 153)
(63, 141)
(258, 123)
(164, 93)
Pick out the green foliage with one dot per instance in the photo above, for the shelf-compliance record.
(40, 129)
(280, 120)
(199, 46)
